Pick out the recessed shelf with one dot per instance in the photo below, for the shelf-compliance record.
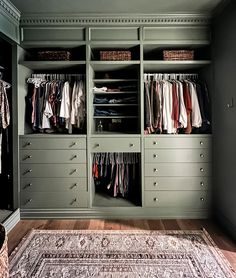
(114, 80)
(52, 65)
(115, 117)
(114, 65)
(115, 104)
(174, 65)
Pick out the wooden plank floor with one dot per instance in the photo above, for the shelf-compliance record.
(226, 245)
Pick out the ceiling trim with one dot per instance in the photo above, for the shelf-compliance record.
(10, 10)
(115, 19)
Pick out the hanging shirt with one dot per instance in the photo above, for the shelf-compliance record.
(182, 109)
(4, 107)
(65, 103)
(196, 113)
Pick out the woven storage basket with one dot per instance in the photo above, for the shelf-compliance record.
(4, 267)
(178, 55)
(115, 55)
(54, 55)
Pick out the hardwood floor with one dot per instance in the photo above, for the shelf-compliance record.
(226, 245)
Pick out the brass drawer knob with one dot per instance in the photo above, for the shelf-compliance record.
(97, 145)
(201, 169)
(154, 143)
(202, 199)
(155, 170)
(201, 143)
(27, 144)
(202, 183)
(131, 145)
(73, 144)
(155, 155)
(155, 183)
(201, 155)
(155, 199)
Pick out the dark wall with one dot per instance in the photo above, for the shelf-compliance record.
(224, 118)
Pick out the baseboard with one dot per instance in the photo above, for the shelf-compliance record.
(226, 224)
(12, 220)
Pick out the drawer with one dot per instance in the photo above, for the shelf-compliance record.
(177, 142)
(178, 199)
(53, 200)
(53, 170)
(127, 144)
(177, 183)
(54, 184)
(177, 169)
(54, 143)
(177, 155)
(53, 156)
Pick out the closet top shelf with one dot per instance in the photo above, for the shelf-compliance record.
(174, 65)
(114, 80)
(51, 65)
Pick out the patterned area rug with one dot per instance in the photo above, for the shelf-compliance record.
(118, 254)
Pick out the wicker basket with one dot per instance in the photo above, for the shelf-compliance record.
(54, 55)
(115, 55)
(4, 267)
(178, 55)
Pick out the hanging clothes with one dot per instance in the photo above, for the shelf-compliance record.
(116, 173)
(176, 105)
(56, 105)
(4, 106)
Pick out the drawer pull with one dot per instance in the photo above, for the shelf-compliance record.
(73, 201)
(201, 143)
(155, 170)
(73, 157)
(28, 201)
(28, 157)
(201, 169)
(73, 185)
(155, 155)
(97, 145)
(28, 185)
(73, 144)
(73, 171)
(201, 155)
(131, 145)
(28, 171)
(202, 183)
(154, 143)
(155, 183)
(27, 144)
(202, 199)
(155, 199)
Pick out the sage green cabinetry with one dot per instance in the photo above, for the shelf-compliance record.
(53, 172)
(175, 170)
(178, 171)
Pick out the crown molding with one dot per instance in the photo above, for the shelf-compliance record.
(114, 19)
(10, 10)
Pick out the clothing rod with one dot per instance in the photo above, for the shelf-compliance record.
(169, 74)
(51, 74)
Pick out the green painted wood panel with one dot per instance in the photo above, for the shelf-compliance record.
(178, 199)
(173, 142)
(176, 33)
(114, 34)
(177, 169)
(177, 155)
(52, 34)
(53, 170)
(177, 183)
(54, 143)
(126, 144)
(53, 156)
(53, 184)
(53, 200)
